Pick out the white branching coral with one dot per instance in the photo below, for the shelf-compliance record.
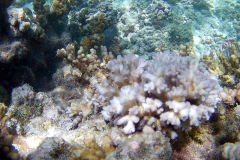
(164, 92)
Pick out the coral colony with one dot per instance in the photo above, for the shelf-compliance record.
(116, 80)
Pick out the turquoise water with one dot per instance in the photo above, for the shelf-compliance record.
(61, 49)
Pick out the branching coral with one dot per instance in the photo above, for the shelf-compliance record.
(177, 89)
(230, 96)
(187, 50)
(227, 66)
(41, 11)
(88, 64)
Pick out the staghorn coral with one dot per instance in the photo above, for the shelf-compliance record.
(181, 94)
(187, 50)
(88, 64)
(213, 64)
(226, 66)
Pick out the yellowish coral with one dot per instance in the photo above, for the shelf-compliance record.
(87, 64)
(93, 41)
(226, 67)
(3, 110)
(85, 108)
(213, 64)
(93, 151)
(187, 50)
(60, 7)
(99, 25)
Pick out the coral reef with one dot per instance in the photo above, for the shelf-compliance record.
(230, 96)
(24, 105)
(60, 7)
(93, 41)
(7, 150)
(93, 150)
(90, 106)
(89, 65)
(57, 148)
(19, 21)
(181, 94)
(231, 151)
(226, 66)
(13, 51)
(150, 145)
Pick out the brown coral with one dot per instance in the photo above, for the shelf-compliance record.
(187, 50)
(60, 7)
(226, 66)
(16, 50)
(88, 64)
(93, 41)
(94, 151)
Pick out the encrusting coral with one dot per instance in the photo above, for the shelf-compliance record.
(142, 145)
(18, 20)
(177, 89)
(60, 7)
(9, 52)
(93, 150)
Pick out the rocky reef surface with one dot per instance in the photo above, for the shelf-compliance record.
(119, 79)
